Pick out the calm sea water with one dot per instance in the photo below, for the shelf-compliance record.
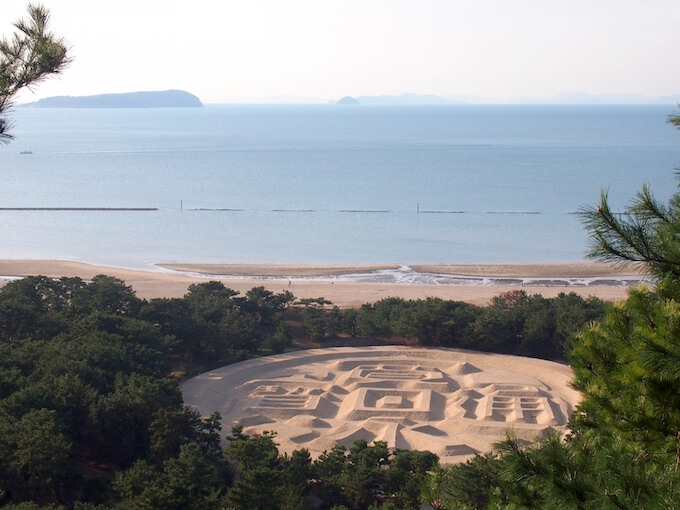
(325, 183)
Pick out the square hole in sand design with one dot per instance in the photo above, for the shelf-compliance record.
(393, 373)
(373, 402)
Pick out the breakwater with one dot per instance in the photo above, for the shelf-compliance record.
(78, 208)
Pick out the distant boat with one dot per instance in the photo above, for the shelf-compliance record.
(26, 152)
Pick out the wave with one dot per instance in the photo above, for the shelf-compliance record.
(405, 275)
(86, 209)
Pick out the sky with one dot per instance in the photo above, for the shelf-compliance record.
(252, 51)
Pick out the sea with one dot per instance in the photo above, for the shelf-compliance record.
(324, 184)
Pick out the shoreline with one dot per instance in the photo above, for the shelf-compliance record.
(314, 281)
(520, 270)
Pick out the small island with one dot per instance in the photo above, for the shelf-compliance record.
(348, 100)
(149, 99)
(402, 99)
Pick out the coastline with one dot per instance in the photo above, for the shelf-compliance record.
(525, 270)
(314, 281)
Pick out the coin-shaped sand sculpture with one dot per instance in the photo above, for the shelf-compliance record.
(454, 403)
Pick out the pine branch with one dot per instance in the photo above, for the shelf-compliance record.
(30, 57)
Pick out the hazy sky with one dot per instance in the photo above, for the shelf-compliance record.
(264, 50)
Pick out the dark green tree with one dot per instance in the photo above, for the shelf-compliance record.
(125, 415)
(260, 473)
(623, 445)
(282, 339)
(297, 473)
(646, 232)
(33, 307)
(107, 294)
(437, 491)
(188, 480)
(314, 322)
(173, 427)
(241, 333)
(328, 469)
(405, 475)
(364, 476)
(35, 452)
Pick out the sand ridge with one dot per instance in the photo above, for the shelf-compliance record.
(276, 270)
(555, 270)
(455, 403)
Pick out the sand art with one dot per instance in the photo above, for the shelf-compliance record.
(454, 403)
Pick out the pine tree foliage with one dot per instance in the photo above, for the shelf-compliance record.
(647, 233)
(622, 449)
(30, 56)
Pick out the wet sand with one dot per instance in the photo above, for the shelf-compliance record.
(173, 280)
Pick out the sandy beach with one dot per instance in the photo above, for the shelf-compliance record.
(173, 280)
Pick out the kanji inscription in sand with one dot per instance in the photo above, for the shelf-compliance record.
(454, 403)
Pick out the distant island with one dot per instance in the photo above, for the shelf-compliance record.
(348, 100)
(396, 100)
(569, 98)
(150, 99)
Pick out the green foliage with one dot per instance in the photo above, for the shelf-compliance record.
(328, 468)
(265, 304)
(171, 428)
(29, 57)
(95, 360)
(188, 480)
(363, 478)
(314, 323)
(470, 485)
(282, 339)
(334, 322)
(35, 454)
(515, 322)
(85, 392)
(31, 307)
(370, 476)
(107, 294)
(260, 470)
(647, 232)
(405, 475)
(125, 415)
(622, 447)
(436, 488)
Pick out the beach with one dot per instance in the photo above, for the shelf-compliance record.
(309, 281)
(455, 403)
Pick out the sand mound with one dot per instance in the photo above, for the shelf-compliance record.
(308, 421)
(454, 403)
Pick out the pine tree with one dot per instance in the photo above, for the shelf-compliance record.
(622, 449)
(29, 57)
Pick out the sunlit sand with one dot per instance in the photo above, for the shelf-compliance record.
(454, 403)
(174, 280)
